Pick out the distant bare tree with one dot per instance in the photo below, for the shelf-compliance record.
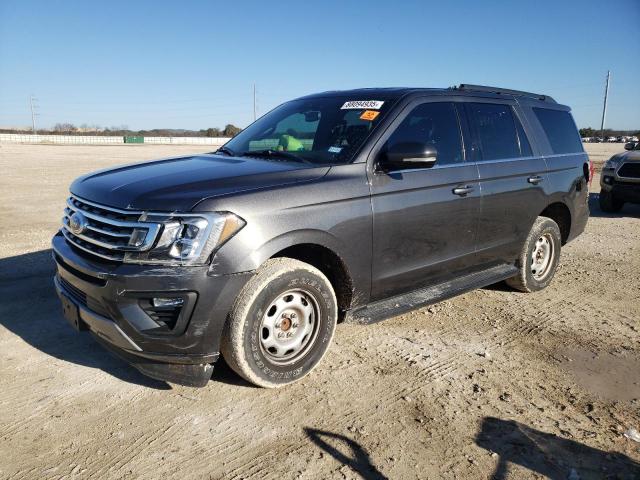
(64, 128)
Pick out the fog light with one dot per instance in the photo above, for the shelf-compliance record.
(608, 180)
(167, 302)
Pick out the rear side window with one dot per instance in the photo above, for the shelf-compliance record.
(495, 130)
(560, 129)
(525, 146)
(435, 124)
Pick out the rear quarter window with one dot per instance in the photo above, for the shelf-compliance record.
(560, 129)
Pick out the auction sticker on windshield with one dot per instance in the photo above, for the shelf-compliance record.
(369, 115)
(362, 105)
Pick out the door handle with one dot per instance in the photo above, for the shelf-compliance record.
(462, 190)
(536, 179)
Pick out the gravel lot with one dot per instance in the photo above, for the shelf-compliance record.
(492, 383)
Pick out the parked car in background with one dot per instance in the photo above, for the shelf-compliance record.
(356, 205)
(620, 179)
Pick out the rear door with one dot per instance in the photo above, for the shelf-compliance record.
(423, 231)
(512, 178)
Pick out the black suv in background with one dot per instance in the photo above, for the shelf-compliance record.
(620, 179)
(352, 205)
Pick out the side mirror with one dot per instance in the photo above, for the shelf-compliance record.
(411, 155)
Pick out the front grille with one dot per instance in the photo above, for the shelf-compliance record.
(106, 232)
(629, 170)
(82, 298)
(75, 293)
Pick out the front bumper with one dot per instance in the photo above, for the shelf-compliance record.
(624, 189)
(112, 302)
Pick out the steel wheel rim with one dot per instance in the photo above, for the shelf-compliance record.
(289, 326)
(542, 256)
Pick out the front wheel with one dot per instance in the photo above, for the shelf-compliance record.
(609, 203)
(539, 257)
(281, 323)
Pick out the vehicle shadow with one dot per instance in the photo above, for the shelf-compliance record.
(548, 454)
(500, 287)
(628, 210)
(223, 373)
(31, 310)
(348, 452)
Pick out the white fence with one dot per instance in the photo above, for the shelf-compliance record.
(187, 140)
(103, 140)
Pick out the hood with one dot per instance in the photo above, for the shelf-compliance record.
(178, 184)
(630, 156)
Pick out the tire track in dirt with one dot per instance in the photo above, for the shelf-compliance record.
(451, 363)
(22, 402)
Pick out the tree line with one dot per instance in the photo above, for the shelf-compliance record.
(607, 132)
(229, 130)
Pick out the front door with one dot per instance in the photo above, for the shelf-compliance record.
(424, 219)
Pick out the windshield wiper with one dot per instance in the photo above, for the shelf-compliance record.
(227, 151)
(274, 154)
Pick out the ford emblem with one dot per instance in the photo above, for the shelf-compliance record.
(77, 223)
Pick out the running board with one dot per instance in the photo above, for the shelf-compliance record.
(390, 307)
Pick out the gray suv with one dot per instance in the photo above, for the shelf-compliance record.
(341, 206)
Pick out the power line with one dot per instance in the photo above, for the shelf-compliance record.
(33, 113)
(604, 107)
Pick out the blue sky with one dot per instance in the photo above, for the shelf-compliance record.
(192, 64)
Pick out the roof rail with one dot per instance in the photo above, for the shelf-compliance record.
(517, 93)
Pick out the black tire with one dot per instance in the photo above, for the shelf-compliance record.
(534, 277)
(244, 346)
(609, 203)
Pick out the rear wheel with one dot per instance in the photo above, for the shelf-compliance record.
(609, 203)
(281, 323)
(539, 257)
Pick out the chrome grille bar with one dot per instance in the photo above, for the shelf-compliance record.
(118, 256)
(107, 232)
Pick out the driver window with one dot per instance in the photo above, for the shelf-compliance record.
(434, 124)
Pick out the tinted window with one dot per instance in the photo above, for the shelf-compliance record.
(525, 147)
(435, 124)
(495, 130)
(560, 129)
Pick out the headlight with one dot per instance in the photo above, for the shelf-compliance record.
(612, 163)
(187, 239)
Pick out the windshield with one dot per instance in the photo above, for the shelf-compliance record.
(326, 130)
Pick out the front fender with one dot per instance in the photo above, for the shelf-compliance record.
(256, 257)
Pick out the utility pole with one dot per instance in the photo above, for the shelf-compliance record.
(255, 115)
(33, 114)
(604, 107)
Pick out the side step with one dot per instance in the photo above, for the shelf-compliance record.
(390, 307)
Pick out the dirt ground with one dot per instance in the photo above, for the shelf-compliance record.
(492, 384)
